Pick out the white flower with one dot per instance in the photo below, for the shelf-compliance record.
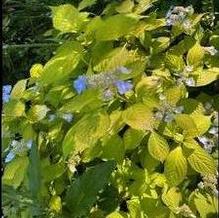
(68, 117)
(10, 156)
(188, 68)
(162, 97)
(52, 117)
(158, 115)
(123, 69)
(169, 117)
(179, 109)
(190, 82)
(211, 50)
(213, 131)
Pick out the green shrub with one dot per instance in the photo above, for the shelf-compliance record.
(112, 125)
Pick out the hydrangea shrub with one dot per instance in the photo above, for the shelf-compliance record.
(112, 125)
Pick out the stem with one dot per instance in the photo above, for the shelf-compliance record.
(6, 46)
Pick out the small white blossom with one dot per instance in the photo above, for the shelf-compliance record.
(211, 50)
(169, 117)
(188, 68)
(179, 109)
(68, 117)
(10, 156)
(213, 131)
(190, 82)
(52, 117)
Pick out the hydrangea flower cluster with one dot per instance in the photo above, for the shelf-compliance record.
(185, 211)
(6, 93)
(179, 15)
(210, 183)
(18, 147)
(68, 117)
(167, 113)
(105, 81)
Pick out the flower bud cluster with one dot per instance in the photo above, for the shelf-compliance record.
(107, 81)
(179, 15)
(167, 112)
(209, 182)
(68, 117)
(18, 147)
(185, 211)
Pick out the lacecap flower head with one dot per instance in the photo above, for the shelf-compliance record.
(123, 86)
(80, 84)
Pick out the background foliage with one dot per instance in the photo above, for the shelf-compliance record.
(118, 115)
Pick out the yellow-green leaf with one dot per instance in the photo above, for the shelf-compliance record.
(67, 18)
(18, 89)
(175, 168)
(202, 162)
(158, 147)
(139, 116)
(195, 55)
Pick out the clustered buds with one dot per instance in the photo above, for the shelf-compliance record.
(179, 15)
(68, 117)
(185, 211)
(209, 182)
(167, 112)
(106, 81)
(18, 147)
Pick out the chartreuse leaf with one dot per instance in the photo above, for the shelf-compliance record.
(202, 122)
(159, 44)
(15, 171)
(87, 101)
(86, 3)
(148, 24)
(205, 205)
(116, 215)
(86, 132)
(174, 62)
(205, 77)
(62, 64)
(14, 108)
(55, 204)
(143, 5)
(37, 113)
(187, 124)
(112, 27)
(134, 207)
(83, 191)
(195, 55)
(139, 117)
(158, 146)
(172, 198)
(18, 89)
(36, 71)
(66, 18)
(154, 208)
(202, 162)
(175, 167)
(174, 94)
(116, 58)
(193, 125)
(132, 138)
(113, 148)
(125, 6)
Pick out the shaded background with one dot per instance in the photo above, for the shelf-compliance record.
(28, 36)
